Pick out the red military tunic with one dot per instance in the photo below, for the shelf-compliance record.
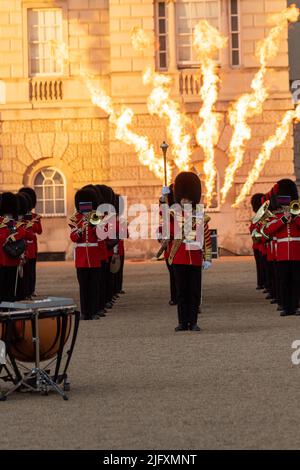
(287, 237)
(36, 229)
(19, 234)
(189, 254)
(256, 243)
(87, 252)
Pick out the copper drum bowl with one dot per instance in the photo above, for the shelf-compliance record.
(50, 335)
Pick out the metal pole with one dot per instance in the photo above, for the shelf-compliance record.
(164, 146)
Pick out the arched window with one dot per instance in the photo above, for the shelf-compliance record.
(50, 189)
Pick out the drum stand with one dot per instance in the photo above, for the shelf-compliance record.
(43, 382)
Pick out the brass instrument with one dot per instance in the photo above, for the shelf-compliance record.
(256, 236)
(263, 213)
(295, 207)
(94, 218)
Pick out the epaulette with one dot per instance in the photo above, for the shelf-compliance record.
(206, 218)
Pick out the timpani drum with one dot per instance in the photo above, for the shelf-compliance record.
(39, 328)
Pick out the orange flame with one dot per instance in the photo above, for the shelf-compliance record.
(122, 120)
(139, 39)
(264, 156)
(160, 103)
(207, 41)
(251, 104)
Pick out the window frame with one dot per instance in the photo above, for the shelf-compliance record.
(238, 32)
(193, 64)
(45, 5)
(34, 185)
(157, 34)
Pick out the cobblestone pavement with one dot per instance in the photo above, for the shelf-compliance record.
(137, 384)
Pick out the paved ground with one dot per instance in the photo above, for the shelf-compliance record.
(137, 384)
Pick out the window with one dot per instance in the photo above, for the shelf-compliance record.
(188, 14)
(162, 34)
(44, 27)
(234, 33)
(50, 191)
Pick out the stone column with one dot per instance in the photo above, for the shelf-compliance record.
(172, 65)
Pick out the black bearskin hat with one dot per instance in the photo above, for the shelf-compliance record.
(86, 195)
(187, 185)
(107, 193)
(256, 201)
(96, 189)
(119, 204)
(170, 196)
(9, 204)
(286, 187)
(24, 202)
(31, 193)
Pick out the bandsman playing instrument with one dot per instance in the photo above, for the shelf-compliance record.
(257, 242)
(186, 254)
(87, 253)
(285, 225)
(35, 226)
(13, 237)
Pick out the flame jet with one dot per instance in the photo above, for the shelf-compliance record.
(160, 103)
(251, 104)
(208, 41)
(139, 39)
(121, 121)
(264, 156)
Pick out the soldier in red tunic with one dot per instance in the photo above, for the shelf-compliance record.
(35, 226)
(186, 253)
(167, 197)
(256, 238)
(11, 230)
(87, 253)
(285, 226)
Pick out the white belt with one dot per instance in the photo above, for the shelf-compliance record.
(86, 244)
(289, 239)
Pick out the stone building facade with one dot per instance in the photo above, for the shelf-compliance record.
(53, 138)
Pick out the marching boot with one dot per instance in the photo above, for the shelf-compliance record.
(195, 327)
(180, 327)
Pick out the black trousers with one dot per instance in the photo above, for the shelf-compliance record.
(120, 275)
(277, 283)
(259, 267)
(289, 279)
(102, 286)
(173, 292)
(188, 286)
(89, 286)
(267, 283)
(9, 276)
(32, 275)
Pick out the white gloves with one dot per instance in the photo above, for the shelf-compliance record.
(165, 190)
(206, 265)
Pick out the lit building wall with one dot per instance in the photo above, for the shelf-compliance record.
(48, 120)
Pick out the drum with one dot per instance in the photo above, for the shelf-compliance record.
(57, 321)
(51, 335)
